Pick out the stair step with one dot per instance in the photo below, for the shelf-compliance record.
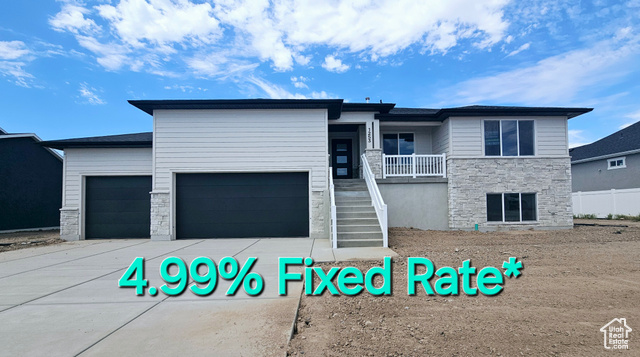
(359, 221)
(364, 193)
(353, 228)
(353, 198)
(358, 209)
(359, 235)
(371, 214)
(353, 203)
(359, 243)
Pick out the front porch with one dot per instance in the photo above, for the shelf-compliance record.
(391, 150)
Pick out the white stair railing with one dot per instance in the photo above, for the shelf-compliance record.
(376, 200)
(334, 215)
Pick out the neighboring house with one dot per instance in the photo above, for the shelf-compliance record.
(30, 183)
(260, 168)
(606, 174)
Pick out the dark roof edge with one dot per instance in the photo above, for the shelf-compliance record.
(334, 106)
(61, 145)
(518, 111)
(135, 140)
(408, 117)
(382, 108)
(445, 113)
(3, 132)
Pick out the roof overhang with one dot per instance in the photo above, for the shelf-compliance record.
(484, 111)
(333, 106)
(382, 108)
(138, 140)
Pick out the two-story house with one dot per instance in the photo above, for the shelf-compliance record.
(318, 168)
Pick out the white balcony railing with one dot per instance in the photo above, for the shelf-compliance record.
(414, 165)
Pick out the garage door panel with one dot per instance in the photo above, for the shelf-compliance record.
(231, 204)
(122, 230)
(117, 207)
(121, 206)
(248, 192)
(231, 230)
(249, 216)
(236, 205)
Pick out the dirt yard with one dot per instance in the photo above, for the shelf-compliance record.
(573, 283)
(21, 240)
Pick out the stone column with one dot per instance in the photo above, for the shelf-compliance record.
(160, 216)
(374, 158)
(69, 224)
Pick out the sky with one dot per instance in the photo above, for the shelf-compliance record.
(68, 67)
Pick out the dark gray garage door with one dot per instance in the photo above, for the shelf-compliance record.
(117, 207)
(235, 205)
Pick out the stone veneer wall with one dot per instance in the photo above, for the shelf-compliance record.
(160, 216)
(69, 224)
(471, 179)
(374, 158)
(320, 214)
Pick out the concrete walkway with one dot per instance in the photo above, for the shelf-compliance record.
(64, 300)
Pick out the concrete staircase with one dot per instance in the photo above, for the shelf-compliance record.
(358, 224)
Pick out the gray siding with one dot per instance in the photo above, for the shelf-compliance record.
(441, 138)
(595, 176)
(466, 136)
(550, 136)
(79, 162)
(240, 140)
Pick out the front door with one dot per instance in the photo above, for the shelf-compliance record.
(341, 158)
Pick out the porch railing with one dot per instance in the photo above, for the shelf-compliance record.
(414, 165)
(334, 215)
(376, 200)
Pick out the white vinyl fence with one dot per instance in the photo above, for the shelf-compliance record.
(602, 203)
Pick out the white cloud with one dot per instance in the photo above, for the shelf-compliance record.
(14, 56)
(576, 138)
(333, 64)
(520, 49)
(280, 32)
(553, 80)
(161, 22)
(275, 91)
(634, 116)
(71, 18)
(88, 94)
(299, 82)
(11, 50)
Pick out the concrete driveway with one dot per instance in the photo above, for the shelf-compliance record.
(64, 300)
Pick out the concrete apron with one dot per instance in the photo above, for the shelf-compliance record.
(64, 300)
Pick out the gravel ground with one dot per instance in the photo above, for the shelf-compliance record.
(573, 283)
(21, 240)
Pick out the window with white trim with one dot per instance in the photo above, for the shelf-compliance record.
(509, 138)
(617, 163)
(398, 144)
(512, 207)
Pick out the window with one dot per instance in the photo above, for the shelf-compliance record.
(508, 138)
(511, 207)
(398, 144)
(617, 163)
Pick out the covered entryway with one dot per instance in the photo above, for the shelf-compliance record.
(242, 205)
(117, 207)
